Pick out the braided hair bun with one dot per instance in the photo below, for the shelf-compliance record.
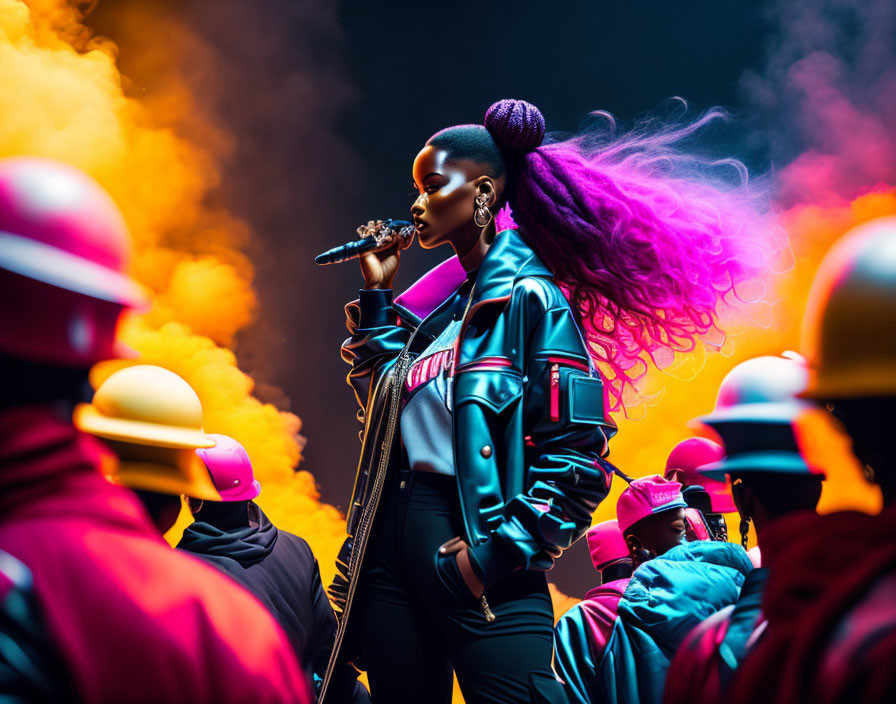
(515, 125)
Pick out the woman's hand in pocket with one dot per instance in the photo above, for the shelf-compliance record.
(458, 548)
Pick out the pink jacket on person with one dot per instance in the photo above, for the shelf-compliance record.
(134, 620)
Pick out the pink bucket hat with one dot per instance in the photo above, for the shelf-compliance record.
(645, 497)
(606, 544)
(230, 469)
(692, 453)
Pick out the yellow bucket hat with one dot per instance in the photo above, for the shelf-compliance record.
(152, 419)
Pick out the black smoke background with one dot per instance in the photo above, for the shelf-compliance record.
(322, 106)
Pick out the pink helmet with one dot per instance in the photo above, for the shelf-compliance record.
(606, 544)
(682, 466)
(230, 469)
(646, 496)
(63, 254)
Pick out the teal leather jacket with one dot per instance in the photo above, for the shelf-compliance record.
(529, 423)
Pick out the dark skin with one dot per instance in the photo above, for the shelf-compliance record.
(750, 506)
(163, 509)
(655, 534)
(443, 214)
(621, 569)
(866, 421)
(223, 514)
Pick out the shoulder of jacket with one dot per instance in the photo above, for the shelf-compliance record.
(298, 544)
(539, 291)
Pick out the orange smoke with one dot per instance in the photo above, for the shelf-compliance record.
(62, 96)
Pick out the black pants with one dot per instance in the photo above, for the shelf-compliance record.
(415, 618)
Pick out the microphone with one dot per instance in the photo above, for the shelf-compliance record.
(373, 236)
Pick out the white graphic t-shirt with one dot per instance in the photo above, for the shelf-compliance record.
(426, 418)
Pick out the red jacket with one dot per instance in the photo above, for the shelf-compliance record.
(135, 621)
(830, 601)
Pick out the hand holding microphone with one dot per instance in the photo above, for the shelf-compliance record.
(379, 250)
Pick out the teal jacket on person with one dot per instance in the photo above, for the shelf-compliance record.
(529, 425)
(665, 598)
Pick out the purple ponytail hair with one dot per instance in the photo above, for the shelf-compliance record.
(645, 239)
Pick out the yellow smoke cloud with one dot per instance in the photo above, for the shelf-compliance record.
(62, 96)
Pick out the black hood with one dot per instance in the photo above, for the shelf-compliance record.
(246, 544)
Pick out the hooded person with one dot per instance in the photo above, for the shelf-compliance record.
(582, 633)
(754, 416)
(233, 535)
(830, 596)
(675, 585)
(609, 554)
(151, 420)
(130, 619)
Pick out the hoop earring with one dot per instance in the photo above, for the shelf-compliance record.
(482, 216)
(744, 531)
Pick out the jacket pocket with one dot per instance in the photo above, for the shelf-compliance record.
(497, 387)
(574, 392)
(449, 575)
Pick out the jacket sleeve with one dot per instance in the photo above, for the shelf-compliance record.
(376, 337)
(567, 433)
(574, 661)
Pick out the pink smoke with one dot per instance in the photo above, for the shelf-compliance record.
(827, 99)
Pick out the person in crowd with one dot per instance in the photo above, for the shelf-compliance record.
(151, 420)
(609, 553)
(651, 515)
(232, 534)
(754, 416)
(681, 466)
(131, 619)
(486, 421)
(675, 586)
(582, 633)
(830, 596)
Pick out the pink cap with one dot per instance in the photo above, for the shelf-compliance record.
(230, 469)
(606, 544)
(645, 497)
(682, 466)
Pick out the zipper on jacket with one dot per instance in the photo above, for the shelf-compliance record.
(359, 545)
(555, 381)
(489, 614)
(555, 392)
